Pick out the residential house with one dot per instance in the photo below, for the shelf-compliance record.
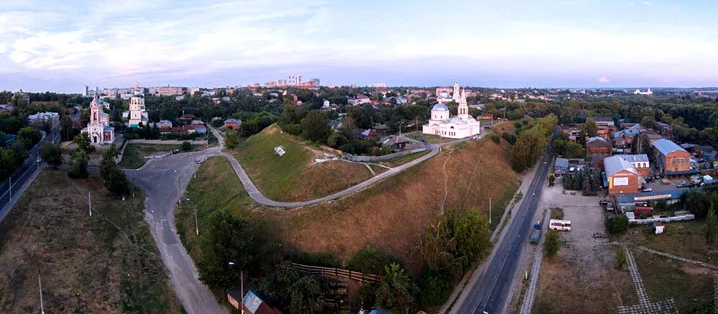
(164, 124)
(624, 138)
(652, 137)
(233, 124)
(606, 126)
(362, 134)
(252, 303)
(671, 158)
(573, 132)
(639, 162)
(397, 143)
(381, 129)
(664, 129)
(598, 145)
(622, 177)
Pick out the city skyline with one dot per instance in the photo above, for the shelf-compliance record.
(515, 43)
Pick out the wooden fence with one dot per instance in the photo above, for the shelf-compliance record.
(336, 272)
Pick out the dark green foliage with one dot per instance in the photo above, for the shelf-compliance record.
(621, 257)
(315, 126)
(395, 290)
(231, 139)
(292, 291)
(661, 205)
(186, 146)
(113, 177)
(83, 143)
(711, 226)
(587, 179)
(531, 143)
(617, 224)
(27, 137)
(552, 244)
(494, 138)
(78, 167)
(697, 202)
(435, 288)
(371, 261)
(510, 138)
(232, 239)
(51, 154)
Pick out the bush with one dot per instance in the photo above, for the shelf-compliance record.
(372, 261)
(553, 243)
(51, 154)
(617, 224)
(620, 257)
(435, 288)
(509, 138)
(495, 138)
(186, 146)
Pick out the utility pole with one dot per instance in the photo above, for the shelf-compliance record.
(196, 223)
(89, 203)
(241, 289)
(39, 283)
(10, 188)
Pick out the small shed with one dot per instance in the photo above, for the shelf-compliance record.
(659, 227)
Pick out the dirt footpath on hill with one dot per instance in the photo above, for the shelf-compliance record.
(582, 278)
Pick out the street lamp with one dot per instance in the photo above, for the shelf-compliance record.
(196, 222)
(178, 184)
(241, 288)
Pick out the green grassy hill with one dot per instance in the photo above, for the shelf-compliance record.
(293, 176)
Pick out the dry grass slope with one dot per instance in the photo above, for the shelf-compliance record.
(90, 265)
(392, 214)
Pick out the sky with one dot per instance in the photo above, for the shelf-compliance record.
(63, 45)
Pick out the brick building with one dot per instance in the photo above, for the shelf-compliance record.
(598, 145)
(671, 158)
(622, 177)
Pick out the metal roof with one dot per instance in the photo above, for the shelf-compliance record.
(666, 146)
(561, 162)
(634, 158)
(596, 139)
(616, 164)
(440, 107)
(652, 196)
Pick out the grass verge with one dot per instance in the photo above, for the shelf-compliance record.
(398, 161)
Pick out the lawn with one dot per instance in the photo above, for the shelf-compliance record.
(393, 213)
(398, 161)
(294, 176)
(690, 286)
(134, 155)
(215, 187)
(686, 239)
(107, 263)
(431, 138)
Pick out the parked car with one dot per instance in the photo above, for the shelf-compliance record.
(175, 151)
(604, 202)
(647, 190)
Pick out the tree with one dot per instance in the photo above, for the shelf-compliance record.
(78, 167)
(315, 126)
(617, 224)
(186, 146)
(472, 233)
(113, 177)
(697, 202)
(590, 128)
(231, 139)
(83, 143)
(395, 291)
(299, 293)
(574, 150)
(552, 244)
(648, 121)
(51, 154)
(711, 226)
(369, 260)
(28, 137)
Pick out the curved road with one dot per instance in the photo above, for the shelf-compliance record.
(163, 183)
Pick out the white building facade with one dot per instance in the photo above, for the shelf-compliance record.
(460, 126)
(99, 130)
(138, 113)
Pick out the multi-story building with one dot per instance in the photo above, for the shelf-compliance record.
(85, 90)
(671, 158)
(294, 80)
(598, 145)
(639, 162)
(37, 119)
(314, 82)
(378, 85)
(169, 90)
(622, 177)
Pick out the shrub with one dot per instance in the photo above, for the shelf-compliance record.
(324, 259)
(509, 138)
(620, 257)
(617, 224)
(495, 138)
(186, 146)
(553, 243)
(435, 288)
(372, 261)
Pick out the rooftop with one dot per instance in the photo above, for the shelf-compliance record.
(597, 141)
(635, 158)
(666, 146)
(616, 164)
(602, 119)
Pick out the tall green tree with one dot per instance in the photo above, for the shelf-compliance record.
(396, 291)
(28, 137)
(472, 233)
(51, 154)
(590, 128)
(231, 139)
(711, 226)
(78, 167)
(697, 202)
(83, 142)
(113, 177)
(316, 127)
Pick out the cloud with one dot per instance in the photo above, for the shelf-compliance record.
(645, 3)
(603, 79)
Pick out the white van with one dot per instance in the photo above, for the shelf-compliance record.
(561, 225)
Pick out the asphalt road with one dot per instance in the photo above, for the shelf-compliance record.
(163, 182)
(491, 291)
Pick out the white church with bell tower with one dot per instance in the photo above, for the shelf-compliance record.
(460, 126)
(98, 129)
